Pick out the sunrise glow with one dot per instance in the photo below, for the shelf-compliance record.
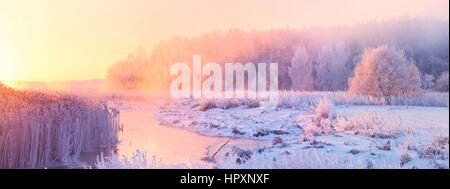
(78, 40)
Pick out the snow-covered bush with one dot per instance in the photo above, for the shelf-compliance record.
(277, 140)
(38, 129)
(322, 123)
(227, 103)
(384, 72)
(206, 104)
(325, 109)
(442, 82)
(317, 128)
(438, 148)
(370, 124)
(250, 102)
(404, 154)
(303, 159)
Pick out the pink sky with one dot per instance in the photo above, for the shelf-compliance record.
(54, 40)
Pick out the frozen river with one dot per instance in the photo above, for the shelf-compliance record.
(174, 145)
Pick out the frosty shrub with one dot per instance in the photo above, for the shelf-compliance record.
(384, 72)
(404, 154)
(139, 160)
(438, 148)
(442, 82)
(322, 123)
(320, 127)
(250, 102)
(370, 124)
(206, 104)
(303, 159)
(38, 129)
(277, 140)
(227, 103)
(325, 109)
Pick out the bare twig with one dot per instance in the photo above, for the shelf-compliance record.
(212, 157)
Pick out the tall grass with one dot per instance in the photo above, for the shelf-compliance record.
(301, 100)
(139, 160)
(38, 130)
(370, 124)
(310, 100)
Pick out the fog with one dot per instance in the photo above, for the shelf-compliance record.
(333, 52)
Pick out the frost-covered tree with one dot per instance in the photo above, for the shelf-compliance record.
(442, 82)
(331, 71)
(384, 72)
(423, 40)
(3, 86)
(126, 74)
(427, 81)
(136, 72)
(301, 70)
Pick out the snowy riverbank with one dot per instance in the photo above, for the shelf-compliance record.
(399, 137)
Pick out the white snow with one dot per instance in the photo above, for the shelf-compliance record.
(415, 130)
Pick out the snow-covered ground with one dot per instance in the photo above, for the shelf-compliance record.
(357, 136)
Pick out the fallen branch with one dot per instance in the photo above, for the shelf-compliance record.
(212, 157)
